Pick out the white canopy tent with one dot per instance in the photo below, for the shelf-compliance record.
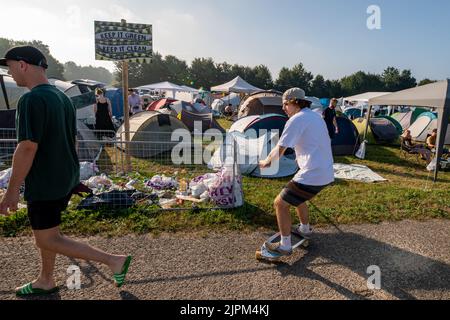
(164, 86)
(363, 100)
(365, 97)
(435, 95)
(191, 90)
(237, 85)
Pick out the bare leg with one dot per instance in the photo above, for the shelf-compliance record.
(52, 240)
(283, 216)
(45, 280)
(303, 213)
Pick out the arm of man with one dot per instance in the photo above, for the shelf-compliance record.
(109, 107)
(335, 124)
(22, 162)
(276, 154)
(288, 140)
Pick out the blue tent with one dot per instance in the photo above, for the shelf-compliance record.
(354, 113)
(259, 123)
(116, 97)
(325, 102)
(346, 142)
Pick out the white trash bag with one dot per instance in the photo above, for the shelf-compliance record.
(226, 190)
(87, 170)
(5, 175)
(361, 153)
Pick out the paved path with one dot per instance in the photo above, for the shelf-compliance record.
(414, 258)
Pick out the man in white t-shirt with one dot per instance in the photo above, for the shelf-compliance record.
(134, 102)
(307, 133)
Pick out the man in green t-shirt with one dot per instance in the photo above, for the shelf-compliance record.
(46, 160)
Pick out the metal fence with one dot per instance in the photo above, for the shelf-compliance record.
(154, 168)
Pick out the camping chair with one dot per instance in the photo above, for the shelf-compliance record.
(406, 151)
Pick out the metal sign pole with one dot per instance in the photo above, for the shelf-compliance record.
(126, 113)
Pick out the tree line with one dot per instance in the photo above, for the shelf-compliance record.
(67, 71)
(205, 73)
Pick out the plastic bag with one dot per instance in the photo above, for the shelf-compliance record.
(226, 190)
(361, 153)
(98, 182)
(162, 183)
(198, 186)
(5, 175)
(87, 170)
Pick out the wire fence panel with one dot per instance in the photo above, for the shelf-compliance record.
(170, 170)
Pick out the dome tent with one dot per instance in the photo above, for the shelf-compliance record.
(409, 117)
(88, 145)
(380, 130)
(423, 127)
(354, 113)
(150, 133)
(260, 103)
(219, 105)
(249, 151)
(260, 123)
(206, 121)
(397, 124)
(346, 142)
(159, 104)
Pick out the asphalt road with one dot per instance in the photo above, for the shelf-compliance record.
(413, 257)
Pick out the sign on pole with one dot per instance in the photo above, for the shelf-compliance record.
(115, 41)
(125, 42)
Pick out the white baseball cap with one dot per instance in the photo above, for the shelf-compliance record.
(294, 94)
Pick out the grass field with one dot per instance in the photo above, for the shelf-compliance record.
(408, 194)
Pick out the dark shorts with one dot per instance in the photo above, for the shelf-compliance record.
(45, 215)
(296, 193)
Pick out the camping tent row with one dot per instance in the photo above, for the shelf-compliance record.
(269, 102)
(434, 95)
(150, 134)
(346, 142)
(88, 146)
(424, 125)
(361, 101)
(255, 137)
(196, 117)
(10, 93)
(381, 130)
(219, 105)
(168, 86)
(406, 119)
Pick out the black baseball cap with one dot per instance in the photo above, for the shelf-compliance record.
(29, 54)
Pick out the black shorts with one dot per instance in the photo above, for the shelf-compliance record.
(296, 193)
(45, 215)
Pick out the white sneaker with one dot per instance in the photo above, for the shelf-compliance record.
(307, 235)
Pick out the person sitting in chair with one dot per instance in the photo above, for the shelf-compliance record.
(410, 147)
(431, 142)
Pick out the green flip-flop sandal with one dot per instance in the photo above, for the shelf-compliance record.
(28, 290)
(119, 278)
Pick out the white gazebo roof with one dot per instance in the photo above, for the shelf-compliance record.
(237, 85)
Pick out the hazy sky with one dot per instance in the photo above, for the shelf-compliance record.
(330, 37)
